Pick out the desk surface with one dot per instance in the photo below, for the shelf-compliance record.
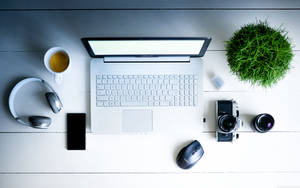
(34, 158)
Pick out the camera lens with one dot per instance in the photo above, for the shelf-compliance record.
(227, 123)
(263, 123)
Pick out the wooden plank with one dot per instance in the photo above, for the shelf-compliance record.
(46, 153)
(74, 93)
(144, 4)
(180, 180)
(39, 30)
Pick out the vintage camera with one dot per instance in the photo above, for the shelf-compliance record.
(227, 118)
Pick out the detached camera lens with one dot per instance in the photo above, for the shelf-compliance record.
(263, 123)
(227, 123)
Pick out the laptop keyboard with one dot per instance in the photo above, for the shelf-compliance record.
(146, 90)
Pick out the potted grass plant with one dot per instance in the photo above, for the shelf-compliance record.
(259, 54)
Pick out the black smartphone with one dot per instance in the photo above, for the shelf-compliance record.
(76, 131)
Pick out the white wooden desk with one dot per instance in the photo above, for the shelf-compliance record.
(38, 158)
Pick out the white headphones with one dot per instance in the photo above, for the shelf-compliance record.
(40, 122)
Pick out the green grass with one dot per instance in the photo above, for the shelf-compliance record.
(259, 54)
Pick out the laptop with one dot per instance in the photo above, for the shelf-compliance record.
(144, 85)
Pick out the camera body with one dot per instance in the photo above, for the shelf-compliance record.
(227, 120)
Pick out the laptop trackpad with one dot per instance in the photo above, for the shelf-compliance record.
(137, 121)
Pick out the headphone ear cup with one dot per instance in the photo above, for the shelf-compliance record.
(39, 122)
(54, 102)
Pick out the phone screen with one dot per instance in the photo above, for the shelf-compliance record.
(76, 131)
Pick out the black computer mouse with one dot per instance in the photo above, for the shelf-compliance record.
(189, 155)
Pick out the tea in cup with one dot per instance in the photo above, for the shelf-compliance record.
(57, 61)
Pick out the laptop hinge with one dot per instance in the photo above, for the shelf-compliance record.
(111, 59)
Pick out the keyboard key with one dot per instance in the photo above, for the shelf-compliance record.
(176, 103)
(181, 103)
(102, 98)
(99, 81)
(186, 103)
(162, 98)
(99, 103)
(105, 103)
(195, 101)
(117, 103)
(169, 98)
(100, 87)
(174, 87)
(111, 103)
(101, 92)
(164, 103)
(140, 86)
(134, 103)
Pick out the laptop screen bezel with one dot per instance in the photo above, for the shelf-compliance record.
(86, 44)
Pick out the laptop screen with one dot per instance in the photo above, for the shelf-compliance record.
(145, 47)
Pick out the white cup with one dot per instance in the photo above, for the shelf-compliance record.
(47, 57)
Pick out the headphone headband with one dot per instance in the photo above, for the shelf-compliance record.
(15, 90)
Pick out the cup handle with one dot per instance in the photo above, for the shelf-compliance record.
(58, 78)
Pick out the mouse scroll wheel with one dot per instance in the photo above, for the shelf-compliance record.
(196, 150)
